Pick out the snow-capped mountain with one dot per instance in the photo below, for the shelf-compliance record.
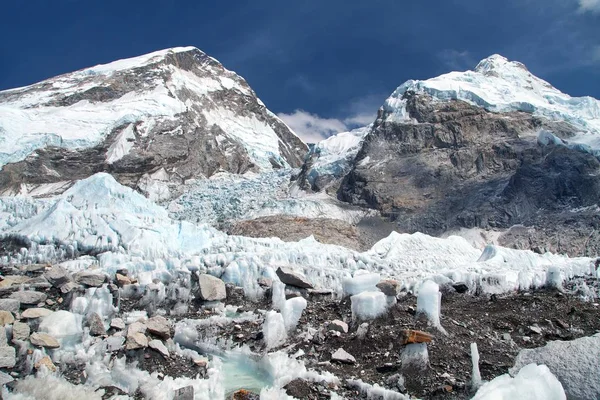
(489, 149)
(167, 116)
(500, 85)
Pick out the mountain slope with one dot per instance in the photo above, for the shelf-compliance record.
(488, 149)
(167, 116)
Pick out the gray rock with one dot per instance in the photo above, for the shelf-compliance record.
(29, 297)
(44, 340)
(292, 278)
(11, 305)
(159, 346)
(574, 363)
(136, 327)
(117, 323)
(211, 288)
(21, 331)
(5, 378)
(159, 326)
(184, 393)
(6, 318)
(343, 356)
(136, 340)
(89, 278)
(39, 282)
(94, 321)
(339, 326)
(68, 287)
(36, 312)
(389, 287)
(8, 357)
(3, 339)
(57, 276)
(35, 267)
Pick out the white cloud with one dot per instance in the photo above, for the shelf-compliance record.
(310, 127)
(589, 5)
(313, 128)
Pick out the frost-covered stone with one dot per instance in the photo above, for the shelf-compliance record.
(114, 343)
(7, 357)
(89, 278)
(361, 282)
(159, 346)
(44, 340)
(389, 287)
(533, 382)
(159, 326)
(341, 355)
(184, 393)
(36, 312)
(292, 278)
(211, 288)
(94, 321)
(368, 305)
(575, 363)
(20, 331)
(273, 329)
(415, 356)
(136, 340)
(337, 325)
(11, 305)
(6, 318)
(29, 297)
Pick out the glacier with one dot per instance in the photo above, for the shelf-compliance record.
(101, 224)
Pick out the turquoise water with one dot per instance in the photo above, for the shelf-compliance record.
(240, 372)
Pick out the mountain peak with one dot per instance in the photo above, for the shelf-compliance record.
(497, 64)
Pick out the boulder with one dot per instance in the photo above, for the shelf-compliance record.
(136, 340)
(89, 278)
(5, 378)
(43, 340)
(460, 287)
(36, 312)
(159, 326)
(8, 357)
(211, 288)
(122, 280)
(57, 276)
(68, 287)
(337, 325)
(389, 287)
(289, 277)
(6, 318)
(343, 356)
(11, 305)
(117, 323)
(45, 362)
(136, 327)
(10, 280)
(29, 297)
(159, 346)
(20, 331)
(94, 321)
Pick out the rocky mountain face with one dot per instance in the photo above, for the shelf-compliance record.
(153, 122)
(436, 162)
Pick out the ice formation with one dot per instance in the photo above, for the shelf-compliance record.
(429, 303)
(475, 374)
(361, 282)
(368, 305)
(292, 311)
(533, 382)
(414, 355)
(274, 329)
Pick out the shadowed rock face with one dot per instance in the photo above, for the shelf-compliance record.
(186, 146)
(462, 166)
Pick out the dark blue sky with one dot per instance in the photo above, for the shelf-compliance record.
(332, 58)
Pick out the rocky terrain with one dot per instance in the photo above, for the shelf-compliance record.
(44, 309)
